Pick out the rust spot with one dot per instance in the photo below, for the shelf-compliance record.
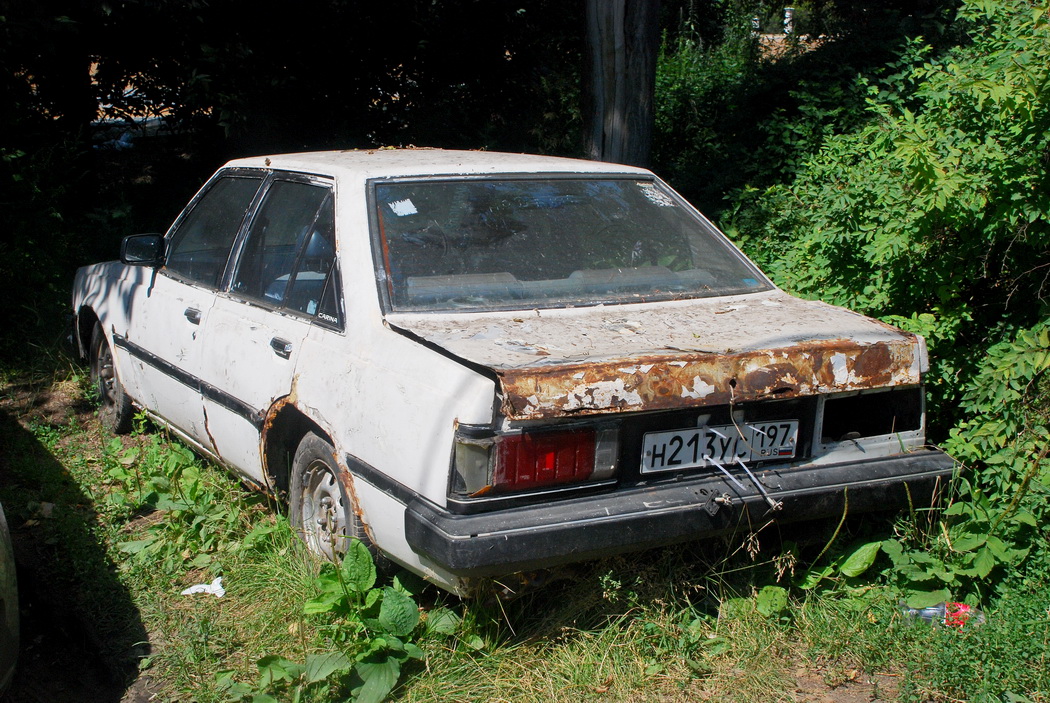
(775, 378)
(275, 409)
(207, 430)
(690, 379)
(267, 427)
(874, 363)
(264, 439)
(355, 505)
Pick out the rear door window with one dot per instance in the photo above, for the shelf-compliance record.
(288, 257)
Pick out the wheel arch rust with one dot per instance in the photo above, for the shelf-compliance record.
(284, 426)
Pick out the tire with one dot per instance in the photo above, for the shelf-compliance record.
(319, 508)
(115, 411)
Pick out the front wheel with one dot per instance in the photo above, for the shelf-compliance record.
(115, 410)
(319, 507)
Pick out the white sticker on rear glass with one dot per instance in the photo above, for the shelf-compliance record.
(404, 207)
(655, 195)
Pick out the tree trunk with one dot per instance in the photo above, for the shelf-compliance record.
(622, 43)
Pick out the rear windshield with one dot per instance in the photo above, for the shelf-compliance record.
(485, 244)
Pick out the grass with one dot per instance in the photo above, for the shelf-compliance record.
(135, 520)
(261, 613)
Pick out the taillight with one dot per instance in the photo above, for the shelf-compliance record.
(543, 459)
(489, 463)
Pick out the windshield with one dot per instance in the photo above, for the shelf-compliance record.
(505, 243)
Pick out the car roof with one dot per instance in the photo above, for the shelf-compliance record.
(391, 163)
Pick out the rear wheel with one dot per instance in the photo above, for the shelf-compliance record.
(319, 507)
(115, 410)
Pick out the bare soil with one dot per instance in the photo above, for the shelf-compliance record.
(819, 685)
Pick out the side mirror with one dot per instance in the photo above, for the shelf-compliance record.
(142, 250)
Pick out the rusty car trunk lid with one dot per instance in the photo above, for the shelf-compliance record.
(640, 357)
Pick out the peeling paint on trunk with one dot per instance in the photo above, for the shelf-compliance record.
(683, 354)
(602, 395)
(700, 389)
(826, 367)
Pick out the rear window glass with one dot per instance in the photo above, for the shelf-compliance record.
(523, 243)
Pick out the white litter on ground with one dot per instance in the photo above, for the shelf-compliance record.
(215, 588)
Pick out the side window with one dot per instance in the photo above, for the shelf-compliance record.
(314, 287)
(200, 246)
(285, 222)
(288, 258)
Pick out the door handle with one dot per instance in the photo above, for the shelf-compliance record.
(281, 347)
(193, 315)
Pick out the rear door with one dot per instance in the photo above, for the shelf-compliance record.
(254, 332)
(164, 338)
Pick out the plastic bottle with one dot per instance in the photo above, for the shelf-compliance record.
(949, 613)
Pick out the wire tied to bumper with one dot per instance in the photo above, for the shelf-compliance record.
(774, 505)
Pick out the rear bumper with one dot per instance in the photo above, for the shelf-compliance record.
(631, 519)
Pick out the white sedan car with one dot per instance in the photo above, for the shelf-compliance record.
(486, 363)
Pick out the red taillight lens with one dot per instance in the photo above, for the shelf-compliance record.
(534, 460)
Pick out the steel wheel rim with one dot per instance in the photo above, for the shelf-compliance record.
(323, 511)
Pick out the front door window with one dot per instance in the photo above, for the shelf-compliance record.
(200, 245)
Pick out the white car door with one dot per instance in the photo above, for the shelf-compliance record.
(164, 336)
(254, 332)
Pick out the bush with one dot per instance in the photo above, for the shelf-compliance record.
(935, 211)
(934, 215)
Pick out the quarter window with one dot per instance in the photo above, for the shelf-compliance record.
(200, 246)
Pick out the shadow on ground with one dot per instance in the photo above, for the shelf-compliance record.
(82, 636)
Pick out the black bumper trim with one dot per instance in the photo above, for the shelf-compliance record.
(642, 517)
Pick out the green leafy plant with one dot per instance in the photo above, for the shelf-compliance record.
(769, 601)
(933, 216)
(371, 627)
(847, 566)
(998, 661)
(202, 521)
(1001, 503)
(686, 638)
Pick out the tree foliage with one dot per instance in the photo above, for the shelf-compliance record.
(934, 214)
(734, 108)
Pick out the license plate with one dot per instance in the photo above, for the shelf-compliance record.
(722, 444)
